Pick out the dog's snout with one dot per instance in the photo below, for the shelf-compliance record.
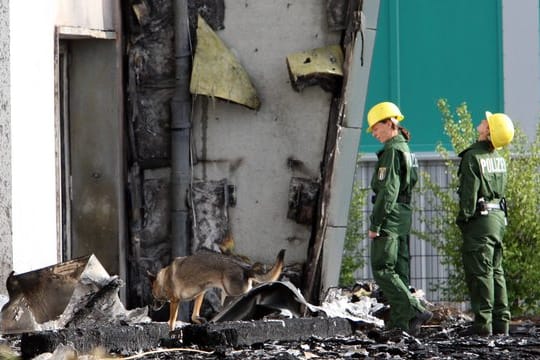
(158, 304)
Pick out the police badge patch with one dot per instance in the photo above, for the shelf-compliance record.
(382, 173)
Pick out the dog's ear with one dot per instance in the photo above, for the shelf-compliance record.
(11, 283)
(150, 276)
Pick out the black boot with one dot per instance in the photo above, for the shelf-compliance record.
(418, 320)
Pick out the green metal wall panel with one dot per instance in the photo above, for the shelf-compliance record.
(431, 49)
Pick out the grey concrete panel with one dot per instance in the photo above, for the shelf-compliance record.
(371, 11)
(332, 255)
(521, 62)
(342, 181)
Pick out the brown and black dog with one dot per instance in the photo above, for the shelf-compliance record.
(188, 278)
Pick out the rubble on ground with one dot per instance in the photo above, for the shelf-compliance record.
(273, 321)
(75, 293)
(434, 342)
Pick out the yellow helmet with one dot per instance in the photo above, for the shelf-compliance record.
(382, 111)
(501, 129)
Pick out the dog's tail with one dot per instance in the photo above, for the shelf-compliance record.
(273, 274)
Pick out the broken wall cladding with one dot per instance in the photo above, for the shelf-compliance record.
(210, 202)
(336, 11)
(213, 12)
(151, 58)
(152, 139)
(156, 219)
(150, 28)
(149, 240)
(303, 196)
(151, 71)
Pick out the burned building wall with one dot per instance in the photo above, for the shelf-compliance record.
(240, 157)
(150, 87)
(253, 149)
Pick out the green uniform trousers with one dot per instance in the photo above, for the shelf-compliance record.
(390, 266)
(482, 254)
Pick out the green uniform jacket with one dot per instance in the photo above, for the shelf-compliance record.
(395, 175)
(482, 173)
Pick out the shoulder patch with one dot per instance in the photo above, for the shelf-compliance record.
(382, 173)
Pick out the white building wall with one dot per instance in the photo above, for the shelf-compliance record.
(32, 128)
(521, 61)
(86, 14)
(33, 157)
(6, 251)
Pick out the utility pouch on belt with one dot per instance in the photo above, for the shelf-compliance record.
(502, 204)
(482, 206)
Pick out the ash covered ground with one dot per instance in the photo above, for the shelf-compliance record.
(436, 341)
(443, 337)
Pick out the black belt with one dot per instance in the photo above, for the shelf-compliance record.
(404, 199)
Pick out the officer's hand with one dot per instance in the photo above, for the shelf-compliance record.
(372, 234)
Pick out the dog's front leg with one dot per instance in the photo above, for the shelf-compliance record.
(195, 317)
(223, 297)
(173, 313)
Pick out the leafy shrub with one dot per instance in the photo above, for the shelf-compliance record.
(522, 237)
(352, 252)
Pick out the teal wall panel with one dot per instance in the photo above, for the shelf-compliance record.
(431, 49)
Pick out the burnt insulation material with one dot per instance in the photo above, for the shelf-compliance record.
(213, 12)
(211, 218)
(149, 248)
(336, 13)
(151, 132)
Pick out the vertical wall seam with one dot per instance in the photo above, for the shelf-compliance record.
(394, 61)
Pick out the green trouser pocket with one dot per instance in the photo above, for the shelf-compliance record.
(482, 260)
(403, 306)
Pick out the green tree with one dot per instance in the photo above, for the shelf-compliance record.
(522, 238)
(352, 251)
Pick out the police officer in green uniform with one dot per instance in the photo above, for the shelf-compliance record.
(390, 222)
(482, 221)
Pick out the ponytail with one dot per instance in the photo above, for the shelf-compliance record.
(406, 134)
(395, 124)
